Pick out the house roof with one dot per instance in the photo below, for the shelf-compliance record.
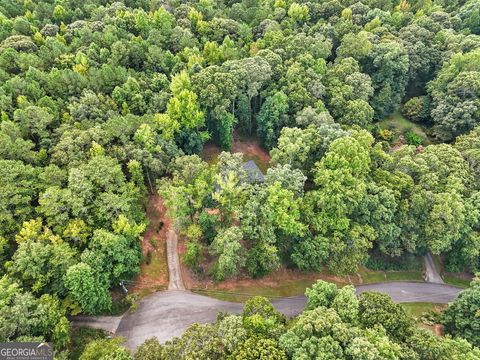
(254, 173)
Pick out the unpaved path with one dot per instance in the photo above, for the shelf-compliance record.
(107, 323)
(174, 271)
(431, 273)
(154, 275)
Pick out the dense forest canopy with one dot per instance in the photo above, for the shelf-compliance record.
(102, 102)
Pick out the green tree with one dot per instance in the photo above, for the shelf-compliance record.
(388, 67)
(454, 95)
(301, 148)
(41, 259)
(86, 288)
(104, 349)
(227, 247)
(184, 109)
(461, 318)
(24, 316)
(469, 146)
(271, 118)
(258, 348)
(349, 91)
(321, 293)
(378, 308)
(185, 195)
(19, 187)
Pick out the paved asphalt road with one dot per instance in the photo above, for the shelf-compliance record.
(169, 313)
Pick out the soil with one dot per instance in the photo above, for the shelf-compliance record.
(154, 275)
(438, 329)
(250, 148)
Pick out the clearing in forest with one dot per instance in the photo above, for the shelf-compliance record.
(400, 125)
(249, 146)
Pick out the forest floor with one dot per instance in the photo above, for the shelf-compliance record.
(153, 274)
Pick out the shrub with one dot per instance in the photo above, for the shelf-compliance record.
(413, 139)
(378, 261)
(192, 255)
(417, 108)
(385, 134)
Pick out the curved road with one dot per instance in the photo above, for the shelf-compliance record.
(168, 314)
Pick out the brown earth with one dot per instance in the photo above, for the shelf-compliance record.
(154, 276)
(438, 329)
(249, 147)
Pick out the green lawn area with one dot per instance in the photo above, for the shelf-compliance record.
(373, 276)
(455, 280)
(416, 309)
(399, 124)
(404, 276)
(243, 293)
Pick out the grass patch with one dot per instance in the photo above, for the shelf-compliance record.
(417, 309)
(373, 276)
(157, 265)
(399, 124)
(80, 337)
(456, 280)
(404, 276)
(243, 293)
(150, 290)
(119, 306)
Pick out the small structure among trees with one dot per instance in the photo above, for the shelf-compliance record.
(254, 174)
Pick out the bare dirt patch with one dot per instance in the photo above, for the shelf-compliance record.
(438, 329)
(154, 269)
(249, 146)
